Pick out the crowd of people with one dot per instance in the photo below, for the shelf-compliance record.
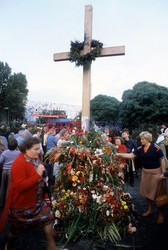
(25, 181)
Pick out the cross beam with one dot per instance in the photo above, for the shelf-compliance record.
(108, 51)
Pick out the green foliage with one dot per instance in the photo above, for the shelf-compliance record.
(81, 60)
(145, 104)
(104, 108)
(5, 72)
(13, 92)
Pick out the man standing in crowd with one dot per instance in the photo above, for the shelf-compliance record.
(131, 145)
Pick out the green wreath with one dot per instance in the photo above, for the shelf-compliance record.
(79, 60)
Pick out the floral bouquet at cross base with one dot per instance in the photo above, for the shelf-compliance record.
(88, 196)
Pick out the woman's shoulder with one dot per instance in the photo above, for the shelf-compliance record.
(19, 159)
(155, 147)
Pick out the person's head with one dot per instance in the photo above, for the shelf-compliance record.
(37, 132)
(106, 130)
(29, 127)
(104, 137)
(118, 141)
(46, 129)
(52, 131)
(125, 134)
(164, 125)
(11, 136)
(31, 147)
(145, 137)
(12, 144)
(63, 134)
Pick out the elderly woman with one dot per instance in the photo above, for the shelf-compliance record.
(25, 203)
(153, 163)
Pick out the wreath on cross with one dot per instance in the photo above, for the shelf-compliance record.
(81, 60)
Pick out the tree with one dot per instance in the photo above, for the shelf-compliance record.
(105, 108)
(13, 92)
(5, 72)
(145, 104)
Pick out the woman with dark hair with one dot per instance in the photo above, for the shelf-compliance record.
(120, 146)
(25, 202)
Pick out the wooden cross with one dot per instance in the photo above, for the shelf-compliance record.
(108, 51)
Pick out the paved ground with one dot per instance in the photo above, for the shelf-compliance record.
(149, 235)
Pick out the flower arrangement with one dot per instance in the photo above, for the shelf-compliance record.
(80, 60)
(88, 196)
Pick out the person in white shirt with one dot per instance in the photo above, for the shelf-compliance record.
(160, 143)
(164, 131)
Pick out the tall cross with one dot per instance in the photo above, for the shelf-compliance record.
(108, 51)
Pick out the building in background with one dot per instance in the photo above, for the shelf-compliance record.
(34, 110)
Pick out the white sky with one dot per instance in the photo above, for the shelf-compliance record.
(32, 31)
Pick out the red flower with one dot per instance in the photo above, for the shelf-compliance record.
(83, 178)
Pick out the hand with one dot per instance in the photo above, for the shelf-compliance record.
(117, 154)
(40, 169)
(162, 177)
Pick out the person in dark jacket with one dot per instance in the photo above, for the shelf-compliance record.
(131, 145)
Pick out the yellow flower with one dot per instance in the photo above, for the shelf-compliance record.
(68, 191)
(107, 150)
(123, 203)
(125, 207)
(64, 197)
(80, 197)
(63, 191)
(74, 178)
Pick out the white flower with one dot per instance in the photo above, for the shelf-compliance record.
(57, 214)
(127, 194)
(94, 196)
(105, 188)
(107, 212)
(98, 199)
(54, 203)
(98, 151)
(91, 178)
(72, 172)
(23, 125)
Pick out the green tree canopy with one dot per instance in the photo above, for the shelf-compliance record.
(104, 108)
(13, 92)
(5, 72)
(146, 103)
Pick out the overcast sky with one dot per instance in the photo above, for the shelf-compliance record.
(32, 31)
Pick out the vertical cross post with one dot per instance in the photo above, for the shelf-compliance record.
(86, 93)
